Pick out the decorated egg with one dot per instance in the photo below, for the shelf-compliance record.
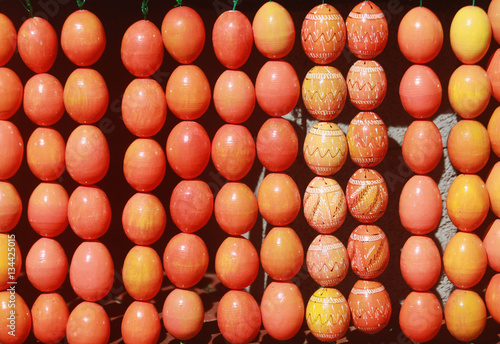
(11, 90)
(11, 149)
(21, 318)
(422, 146)
(420, 91)
(277, 144)
(88, 322)
(183, 314)
(370, 306)
(8, 42)
(494, 131)
(465, 315)
(492, 297)
(43, 100)
(11, 205)
(142, 273)
(328, 314)
(323, 34)
(325, 148)
(367, 30)
(325, 206)
(367, 84)
(45, 153)
(494, 17)
(493, 72)
(46, 265)
(49, 315)
(367, 195)
(465, 260)
(420, 205)
(491, 241)
(234, 96)
(277, 87)
(7, 261)
(324, 92)
(141, 323)
(469, 146)
(368, 250)
(367, 139)
(421, 316)
(420, 262)
(327, 260)
(467, 202)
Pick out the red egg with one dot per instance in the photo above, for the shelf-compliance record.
(144, 164)
(142, 273)
(232, 38)
(45, 152)
(11, 260)
(420, 91)
(491, 241)
(185, 260)
(493, 15)
(144, 218)
(11, 91)
(89, 212)
(367, 84)
(279, 199)
(88, 322)
(144, 107)
(188, 92)
(367, 139)
(43, 100)
(327, 261)
(465, 315)
(183, 34)
(492, 297)
(236, 262)
(420, 262)
(469, 146)
(367, 30)
(238, 317)
(233, 151)
(142, 48)
(421, 316)
(323, 34)
(91, 272)
(87, 155)
(422, 146)
(11, 205)
(277, 144)
(282, 309)
(11, 149)
(191, 205)
(420, 35)
(325, 206)
(234, 96)
(50, 315)
(48, 209)
(37, 44)
(46, 265)
(277, 87)
(368, 250)
(494, 131)
(141, 324)
(20, 321)
(8, 40)
(183, 314)
(493, 72)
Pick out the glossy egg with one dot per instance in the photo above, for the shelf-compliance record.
(45, 152)
(43, 100)
(422, 146)
(11, 90)
(323, 34)
(421, 316)
(367, 139)
(46, 265)
(468, 146)
(420, 262)
(493, 15)
(367, 84)
(20, 321)
(420, 205)
(325, 148)
(420, 91)
(493, 129)
(328, 314)
(11, 149)
(368, 250)
(367, 195)
(492, 297)
(493, 72)
(234, 96)
(141, 324)
(8, 41)
(327, 260)
(491, 241)
(88, 322)
(324, 92)
(183, 314)
(325, 206)
(277, 144)
(142, 273)
(48, 209)
(49, 315)
(465, 314)
(465, 260)
(11, 205)
(10, 258)
(277, 87)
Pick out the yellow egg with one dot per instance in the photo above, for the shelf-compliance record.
(493, 187)
(494, 131)
(465, 315)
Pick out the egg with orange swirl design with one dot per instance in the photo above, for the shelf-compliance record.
(325, 206)
(325, 148)
(368, 250)
(324, 92)
(367, 84)
(327, 261)
(367, 139)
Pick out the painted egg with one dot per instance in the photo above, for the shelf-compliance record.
(11, 90)
(37, 44)
(325, 206)
(8, 42)
(191, 205)
(420, 91)
(465, 315)
(141, 323)
(43, 100)
(11, 205)
(50, 316)
(467, 202)
(492, 297)
(465, 260)
(494, 131)
(273, 30)
(277, 87)
(324, 92)
(7, 261)
(327, 261)
(277, 144)
(367, 139)
(325, 148)
(368, 250)
(45, 152)
(420, 262)
(469, 146)
(142, 273)
(367, 195)
(470, 34)
(420, 35)
(367, 30)
(233, 151)
(494, 17)
(421, 316)
(48, 209)
(46, 265)
(281, 253)
(11, 149)
(282, 309)
(183, 314)
(323, 34)
(420, 205)
(422, 146)
(21, 318)
(367, 84)
(491, 241)
(370, 306)
(88, 322)
(234, 96)
(493, 72)
(328, 314)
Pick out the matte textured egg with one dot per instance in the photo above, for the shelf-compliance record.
(45, 152)
(11, 205)
(327, 260)
(141, 323)
(492, 297)
(183, 314)
(8, 42)
(49, 316)
(11, 90)
(420, 262)
(88, 322)
(21, 318)
(46, 265)
(491, 242)
(469, 146)
(367, 84)
(494, 17)
(7, 261)
(465, 314)
(494, 131)
(422, 146)
(11, 149)
(142, 273)
(368, 140)
(277, 144)
(493, 72)
(234, 96)
(421, 316)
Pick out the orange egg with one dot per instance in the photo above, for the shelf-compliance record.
(11, 91)
(367, 84)
(45, 152)
(48, 209)
(43, 100)
(493, 72)
(141, 323)
(8, 40)
(327, 260)
(277, 144)
(420, 262)
(367, 139)
(234, 96)
(11, 205)
(421, 316)
(493, 187)
(11, 149)
(465, 315)
(19, 321)
(494, 17)
(469, 146)
(10, 258)
(491, 241)
(465, 260)
(492, 297)
(422, 146)
(49, 315)
(88, 322)
(142, 273)
(183, 314)
(494, 131)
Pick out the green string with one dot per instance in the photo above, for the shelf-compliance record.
(145, 8)
(234, 4)
(473, 2)
(420, 3)
(178, 3)
(80, 3)
(28, 7)
(323, 2)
